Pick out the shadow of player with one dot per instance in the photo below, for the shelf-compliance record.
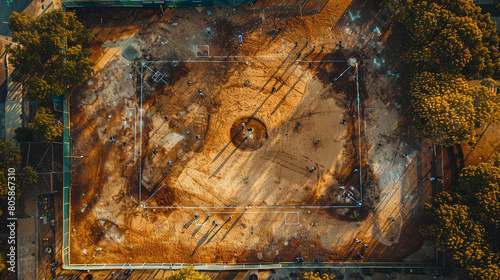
(204, 238)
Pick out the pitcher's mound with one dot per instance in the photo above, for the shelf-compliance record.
(248, 134)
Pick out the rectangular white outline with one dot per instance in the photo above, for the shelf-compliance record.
(196, 50)
(359, 203)
(292, 224)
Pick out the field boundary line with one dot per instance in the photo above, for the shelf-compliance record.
(254, 266)
(145, 64)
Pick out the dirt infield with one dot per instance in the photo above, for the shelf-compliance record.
(214, 171)
(212, 149)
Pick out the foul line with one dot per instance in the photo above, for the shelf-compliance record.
(256, 207)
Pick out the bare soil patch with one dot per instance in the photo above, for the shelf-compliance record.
(194, 188)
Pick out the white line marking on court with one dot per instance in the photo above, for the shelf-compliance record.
(340, 240)
(239, 56)
(240, 61)
(254, 212)
(145, 64)
(256, 207)
(292, 224)
(144, 203)
(208, 51)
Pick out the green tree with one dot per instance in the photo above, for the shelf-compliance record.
(27, 176)
(48, 53)
(444, 43)
(10, 157)
(486, 104)
(446, 110)
(45, 127)
(464, 221)
(40, 89)
(3, 268)
(23, 134)
(309, 275)
(188, 273)
(445, 36)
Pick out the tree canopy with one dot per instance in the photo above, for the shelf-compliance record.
(309, 275)
(188, 273)
(446, 110)
(3, 269)
(44, 126)
(10, 157)
(444, 44)
(23, 134)
(446, 36)
(48, 53)
(464, 221)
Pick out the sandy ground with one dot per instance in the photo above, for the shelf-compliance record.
(264, 204)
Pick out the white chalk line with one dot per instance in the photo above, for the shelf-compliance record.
(292, 224)
(196, 50)
(261, 207)
(241, 61)
(256, 207)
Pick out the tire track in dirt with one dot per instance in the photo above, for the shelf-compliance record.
(287, 161)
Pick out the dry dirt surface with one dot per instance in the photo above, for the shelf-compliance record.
(236, 173)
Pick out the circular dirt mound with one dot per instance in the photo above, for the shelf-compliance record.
(248, 134)
(98, 229)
